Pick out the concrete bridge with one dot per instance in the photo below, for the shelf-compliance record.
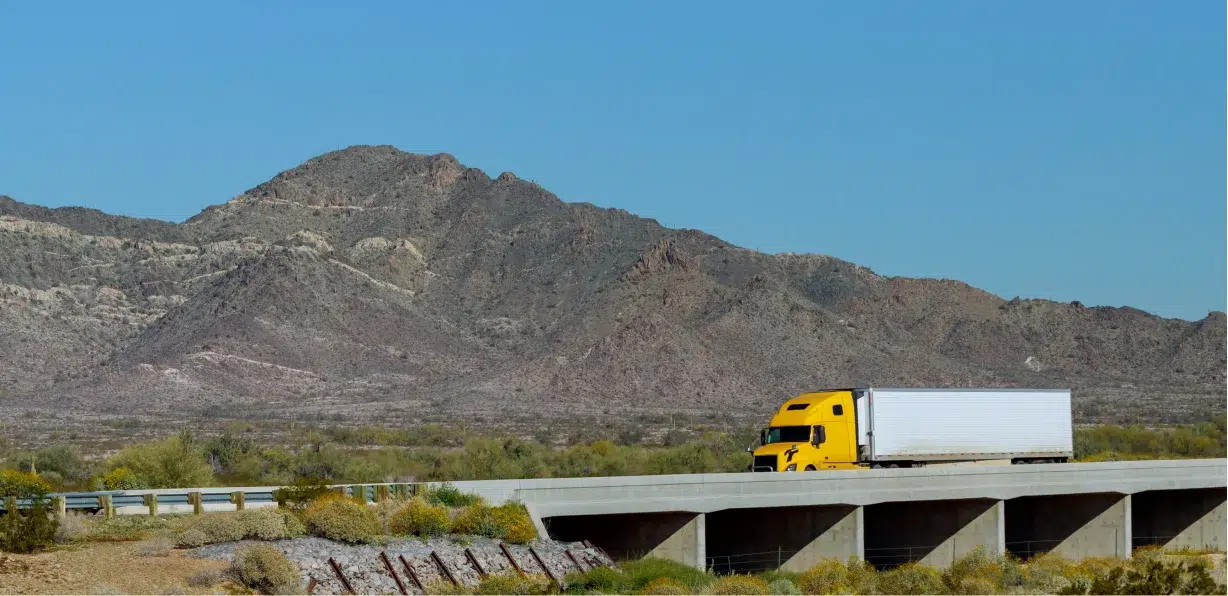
(743, 522)
(933, 515)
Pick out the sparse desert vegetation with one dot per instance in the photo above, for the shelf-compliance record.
(244, 455)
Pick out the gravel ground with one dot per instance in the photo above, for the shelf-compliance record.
(364, 568)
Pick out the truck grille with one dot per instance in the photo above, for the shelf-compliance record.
(764, 463)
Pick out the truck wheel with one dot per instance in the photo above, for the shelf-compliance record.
(811, 468)
(892, 466)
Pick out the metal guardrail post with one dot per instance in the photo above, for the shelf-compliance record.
(239, 499)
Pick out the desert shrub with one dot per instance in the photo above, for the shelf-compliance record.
(600, 580)
(420, 518)
(295, 526)
(177, 462)
(125, 528)
(517, 526)
(191, 538)
(156, 547)
(833, 576)
(506, 583)
(783, 587)
(637, 574)
(1152, 576)
(263, 524)
(264, 568)
(665, 586)
(119, 479)
(445, 587)
(341, 519)
(254, 524)
(30, 529)
(450, 496)
(737, 585)
(974, 573)
(72, 528)
(218, 527)
(911, 578)
(479, 520)
(207, 578)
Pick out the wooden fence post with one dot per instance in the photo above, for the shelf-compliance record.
(381, 493)
(239, 499)
(61, 507)
(151, 500)
(197, 502)
(104, 503)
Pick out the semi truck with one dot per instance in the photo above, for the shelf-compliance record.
(845, 429)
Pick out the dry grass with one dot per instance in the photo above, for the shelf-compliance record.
(105, 567)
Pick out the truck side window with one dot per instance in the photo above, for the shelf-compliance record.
(837, 410)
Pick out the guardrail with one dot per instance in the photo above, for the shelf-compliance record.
(188, 500)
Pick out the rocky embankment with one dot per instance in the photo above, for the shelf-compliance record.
(406, 566)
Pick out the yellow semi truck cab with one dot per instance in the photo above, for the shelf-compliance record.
(813, 431)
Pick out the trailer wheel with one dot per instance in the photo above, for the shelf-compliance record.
(892, 466)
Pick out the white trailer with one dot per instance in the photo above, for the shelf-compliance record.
(897, 427)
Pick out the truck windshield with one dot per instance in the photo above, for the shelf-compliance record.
(787, 434)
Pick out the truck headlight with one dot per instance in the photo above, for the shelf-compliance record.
(791, 468)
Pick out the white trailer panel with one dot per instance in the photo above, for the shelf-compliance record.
(959, 424)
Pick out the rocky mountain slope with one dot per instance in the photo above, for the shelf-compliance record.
(373, 281)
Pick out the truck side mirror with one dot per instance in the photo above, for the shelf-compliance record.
(763, 437)
(820, 435)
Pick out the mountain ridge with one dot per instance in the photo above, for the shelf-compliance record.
(410, 283)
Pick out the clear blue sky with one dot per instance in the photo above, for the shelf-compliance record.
(1064, 150)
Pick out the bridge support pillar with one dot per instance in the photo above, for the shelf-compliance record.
(1194, 519)
(1074, 526)
(933, 533)
(789, 538)
(677, 536)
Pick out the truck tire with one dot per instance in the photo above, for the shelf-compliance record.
(811, 469)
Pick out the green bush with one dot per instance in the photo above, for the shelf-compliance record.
(450, 496)
(251, 524)
(419, 518)
(177, 462)
(737, 585)
(783, 587)
(477, 520)
(637, 574)
(263, 524)
(600, 580)
(119, 479)
(974, 573)
(341, 519)
(264, 568)
(515, 523)
(505, 583)
(191, 538)
(911, 578)
(30, 529)
(1153, 576)
(833, 576)
(665, 586)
